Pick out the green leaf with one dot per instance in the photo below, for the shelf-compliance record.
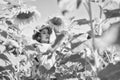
(4, 57)
(111, 72)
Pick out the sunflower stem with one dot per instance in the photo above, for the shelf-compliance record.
(93, 35)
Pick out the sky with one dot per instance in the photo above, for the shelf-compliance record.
(50, 8)
(46, 8)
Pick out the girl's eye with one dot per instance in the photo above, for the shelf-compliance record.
(44, 32)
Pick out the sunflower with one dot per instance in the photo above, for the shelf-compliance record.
(58, 23)
(26, 16)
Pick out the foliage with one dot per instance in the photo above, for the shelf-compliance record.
(82, 49)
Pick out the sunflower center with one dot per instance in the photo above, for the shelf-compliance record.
(23, 15)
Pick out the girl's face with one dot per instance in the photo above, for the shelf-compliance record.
(45, 36)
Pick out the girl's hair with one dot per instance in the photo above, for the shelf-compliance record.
(35, 36)
(48, 28)
(38, 34)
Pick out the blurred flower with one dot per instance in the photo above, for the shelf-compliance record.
(68, 5)
(26, 16)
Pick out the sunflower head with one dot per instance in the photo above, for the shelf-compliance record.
(56, 21)
(26, 16)
(23, 15)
